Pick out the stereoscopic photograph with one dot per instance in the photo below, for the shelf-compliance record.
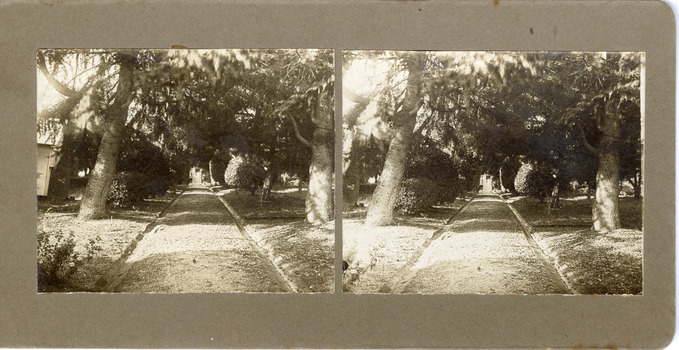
(493, 172)
(172, 171)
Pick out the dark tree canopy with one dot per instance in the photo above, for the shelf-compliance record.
(193, 106)
(576, 116)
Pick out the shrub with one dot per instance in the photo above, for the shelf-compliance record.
(534, 181)
(521, 179)
(57, 258)
(417, 194)
(240, 173)
(130, 186)
(138, 155)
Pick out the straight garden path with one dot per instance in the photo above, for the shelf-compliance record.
(484, 250)
(196, 247)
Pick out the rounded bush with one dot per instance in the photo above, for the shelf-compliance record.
(58, 260)
(534, 181)
(521, 179)
(240, 173)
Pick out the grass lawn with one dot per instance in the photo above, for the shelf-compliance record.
(98, 243)
(284, 203)
(305, 252)
(594, 263)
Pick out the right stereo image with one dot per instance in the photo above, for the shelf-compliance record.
(493, 172)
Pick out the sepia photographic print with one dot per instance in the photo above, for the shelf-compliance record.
(493, 172)
(183, 170)
(504, 176)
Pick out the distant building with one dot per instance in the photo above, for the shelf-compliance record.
(486, 182)
(197, 175)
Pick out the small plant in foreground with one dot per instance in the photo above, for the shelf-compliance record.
(57, 258)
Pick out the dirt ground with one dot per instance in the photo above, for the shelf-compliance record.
(472, 254)
(110, 236)
(594, 263)
(483, 251)
(187, 249)
(374, 255)
(305, 253)
(196, 248)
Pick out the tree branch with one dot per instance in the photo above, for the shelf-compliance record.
(61, 88)
(424, 124)
(299, 136)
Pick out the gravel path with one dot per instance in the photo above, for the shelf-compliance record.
(483, 251)
(196, 248)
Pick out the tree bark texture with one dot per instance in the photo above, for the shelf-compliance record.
(93, 205)
(319, 200)
(383, 201)
(605, 212)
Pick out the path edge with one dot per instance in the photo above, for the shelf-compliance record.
(262, 249)
(388, 286)
(528, 232)
(103, 284)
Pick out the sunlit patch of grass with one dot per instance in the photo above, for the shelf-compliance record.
(304, 251)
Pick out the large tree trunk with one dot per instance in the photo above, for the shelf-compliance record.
(93, 205)
(319, 199)
(605, 212)
(381, 208)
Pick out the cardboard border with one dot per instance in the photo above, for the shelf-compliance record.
(28, 319)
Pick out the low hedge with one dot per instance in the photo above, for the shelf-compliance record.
(417, 194)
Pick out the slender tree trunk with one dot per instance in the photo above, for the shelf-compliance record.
(93, 205)
(380, 211)
(636, 183)
(605, 213)
(554, 203)
(319, 199)
(211, 170)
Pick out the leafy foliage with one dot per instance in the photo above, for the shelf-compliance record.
(143, 170)
(521, 179)
(241, 173)
(417, 194)
(132, 186)
(58, 259)
(536, 181)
